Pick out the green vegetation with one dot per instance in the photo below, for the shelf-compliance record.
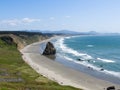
(15, 74)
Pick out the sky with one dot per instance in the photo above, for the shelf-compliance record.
(76, 15)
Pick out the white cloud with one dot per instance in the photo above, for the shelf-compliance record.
(15, 22)
(63, 24)
(52, 18)
(29, 20)
(68, 16)
(12, 22)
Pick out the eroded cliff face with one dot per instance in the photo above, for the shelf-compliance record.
(22, 40)
(50, 49)
(8, 40)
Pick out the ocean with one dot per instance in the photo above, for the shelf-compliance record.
(98, 56)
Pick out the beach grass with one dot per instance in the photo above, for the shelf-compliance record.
(15, 74)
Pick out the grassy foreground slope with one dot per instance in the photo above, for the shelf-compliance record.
(15, 74)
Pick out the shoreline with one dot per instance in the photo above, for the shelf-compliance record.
(90, 71)
(60, 73)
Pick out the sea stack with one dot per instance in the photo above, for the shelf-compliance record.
(50, 49)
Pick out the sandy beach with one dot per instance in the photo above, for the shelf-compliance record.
(60, 73)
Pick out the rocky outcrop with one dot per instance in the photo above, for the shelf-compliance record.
(8, 40)
(50, 49)
(111, 88)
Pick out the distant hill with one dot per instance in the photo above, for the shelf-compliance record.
(57, 32)
(61, 32)
(65, 32)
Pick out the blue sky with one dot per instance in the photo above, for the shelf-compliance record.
(77, 15)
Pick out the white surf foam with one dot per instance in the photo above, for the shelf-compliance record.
(86, 64)
(116, 74)
(106, 60)
(90, 45)
(66, 49)
(70, 59)
(67, 37)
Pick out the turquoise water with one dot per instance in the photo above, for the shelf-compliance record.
(100, 53)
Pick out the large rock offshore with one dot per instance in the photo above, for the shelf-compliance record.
(50, 49)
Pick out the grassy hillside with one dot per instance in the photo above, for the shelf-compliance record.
(15, 74)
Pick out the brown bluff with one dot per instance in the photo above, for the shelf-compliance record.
(50, 49)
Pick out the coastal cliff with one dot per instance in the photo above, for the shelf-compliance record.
(22, 39)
